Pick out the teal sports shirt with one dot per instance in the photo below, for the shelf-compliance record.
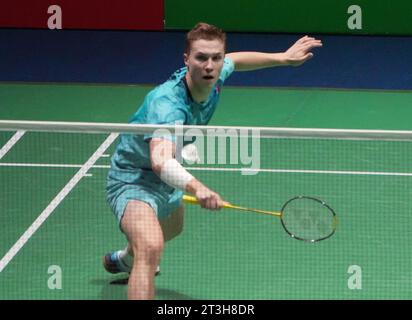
(169, 103)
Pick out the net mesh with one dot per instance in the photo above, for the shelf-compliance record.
(56, 223)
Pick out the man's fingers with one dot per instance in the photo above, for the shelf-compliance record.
(306, 39)
(312, 44)
(209, 203)
(307, 47)
(307, 56)
(215, 203)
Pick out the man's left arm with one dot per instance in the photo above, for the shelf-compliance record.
(296, 55)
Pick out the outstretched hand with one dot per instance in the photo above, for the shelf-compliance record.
(300, 52)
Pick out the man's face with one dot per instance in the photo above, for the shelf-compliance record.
(205, 61)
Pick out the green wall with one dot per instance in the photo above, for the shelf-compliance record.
(316, 16)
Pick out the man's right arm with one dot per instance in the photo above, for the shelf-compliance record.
(164, 164)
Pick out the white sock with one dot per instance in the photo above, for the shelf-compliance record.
(125, 258)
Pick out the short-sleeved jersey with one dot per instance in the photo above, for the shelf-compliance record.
(169, 103)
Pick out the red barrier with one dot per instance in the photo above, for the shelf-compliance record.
(83, 14)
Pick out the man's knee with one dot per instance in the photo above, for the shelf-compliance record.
(143, 230)
(149, 251)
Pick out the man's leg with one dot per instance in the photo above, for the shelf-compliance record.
(171, 226)
(122, 260)
(145, 236)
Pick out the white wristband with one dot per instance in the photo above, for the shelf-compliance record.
(175, 175)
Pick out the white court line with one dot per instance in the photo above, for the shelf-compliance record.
(370, 173)
(55, 202)
(338, 172)
(49, 165)
(13, 140)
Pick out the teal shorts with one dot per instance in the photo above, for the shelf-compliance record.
(161, 197)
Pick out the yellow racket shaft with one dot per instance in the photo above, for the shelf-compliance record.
(227, 205)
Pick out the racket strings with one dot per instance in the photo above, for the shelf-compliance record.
(308, 219)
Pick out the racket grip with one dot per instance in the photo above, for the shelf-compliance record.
(193, 200)
(190, 199)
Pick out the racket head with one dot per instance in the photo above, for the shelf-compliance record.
(308, 219)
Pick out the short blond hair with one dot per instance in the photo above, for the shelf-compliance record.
(204, 31)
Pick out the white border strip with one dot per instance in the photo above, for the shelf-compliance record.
(13, 140)
(55, 202)
(218, 131)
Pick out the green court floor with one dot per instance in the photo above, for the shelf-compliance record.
(226, 254)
